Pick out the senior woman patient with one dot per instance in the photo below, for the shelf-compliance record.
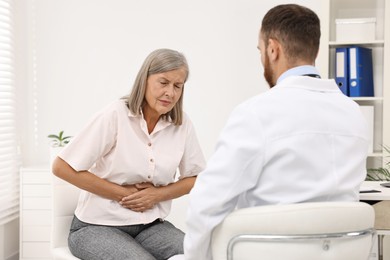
(125, 161)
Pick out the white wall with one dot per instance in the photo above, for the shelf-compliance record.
(82, 54)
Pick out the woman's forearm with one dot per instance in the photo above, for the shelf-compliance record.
(90, 182)
(177, 189)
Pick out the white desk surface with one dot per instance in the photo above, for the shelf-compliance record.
(384, 193)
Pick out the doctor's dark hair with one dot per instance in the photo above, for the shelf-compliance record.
(158, 61)
(296, 28)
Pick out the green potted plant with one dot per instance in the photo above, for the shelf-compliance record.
(381, 173)
(57, 142)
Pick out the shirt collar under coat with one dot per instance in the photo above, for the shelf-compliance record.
(295, 78)
(298, 71)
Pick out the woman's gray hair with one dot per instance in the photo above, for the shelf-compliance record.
(159, 61)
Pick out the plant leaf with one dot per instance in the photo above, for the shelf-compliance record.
(60, 134)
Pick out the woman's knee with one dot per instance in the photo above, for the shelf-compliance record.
(163, 240)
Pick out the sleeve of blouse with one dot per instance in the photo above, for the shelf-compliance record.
(94, 141)
(193, 161)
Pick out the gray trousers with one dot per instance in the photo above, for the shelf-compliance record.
(156, 240)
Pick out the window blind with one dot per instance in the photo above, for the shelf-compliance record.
(9, 159)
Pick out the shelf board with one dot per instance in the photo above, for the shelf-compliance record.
(374, 43)
(367, 98)
(375, 154)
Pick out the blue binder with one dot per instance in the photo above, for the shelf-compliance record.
(341, 68)
(361, 82)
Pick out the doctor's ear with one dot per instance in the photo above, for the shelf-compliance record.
(273, 49)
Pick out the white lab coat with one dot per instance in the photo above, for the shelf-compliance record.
(301, 141)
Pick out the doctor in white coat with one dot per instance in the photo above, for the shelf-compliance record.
(301, 141)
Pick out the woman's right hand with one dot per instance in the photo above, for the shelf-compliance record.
(141, 200)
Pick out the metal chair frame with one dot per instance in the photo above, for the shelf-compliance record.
(293, 238)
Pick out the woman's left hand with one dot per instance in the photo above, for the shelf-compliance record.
(145, 198)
